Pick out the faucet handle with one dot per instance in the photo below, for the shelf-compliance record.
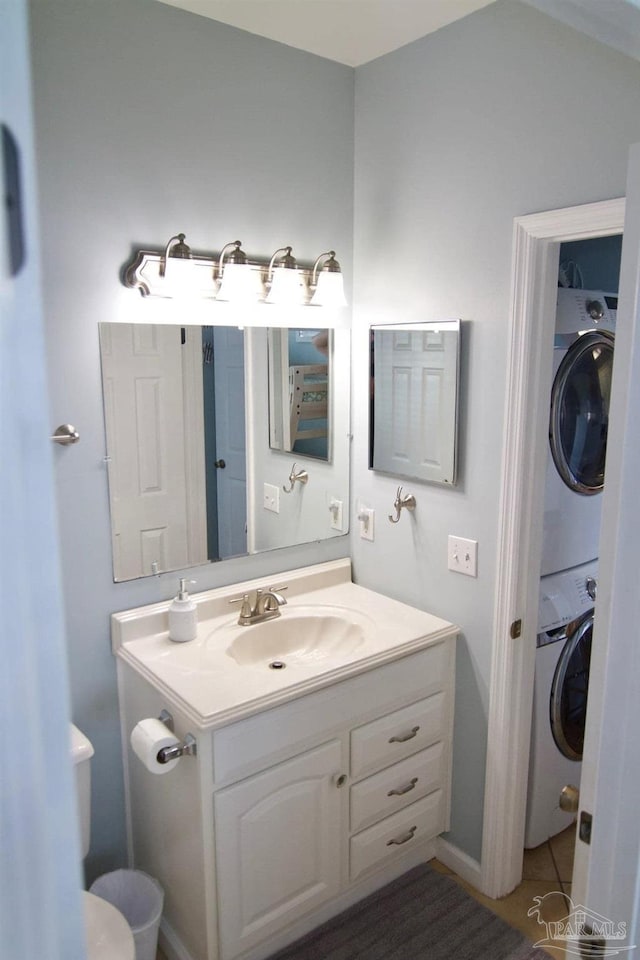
(245, 609)
(272, 598)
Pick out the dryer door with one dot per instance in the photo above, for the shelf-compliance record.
(580, 412)
(568, 701)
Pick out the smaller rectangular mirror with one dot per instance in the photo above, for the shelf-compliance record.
(413, 422)
(299, 392)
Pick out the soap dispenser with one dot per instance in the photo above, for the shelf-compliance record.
(183, 615)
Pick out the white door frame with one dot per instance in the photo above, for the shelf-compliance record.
(532, 318)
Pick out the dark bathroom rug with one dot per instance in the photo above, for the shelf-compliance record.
(423, 915)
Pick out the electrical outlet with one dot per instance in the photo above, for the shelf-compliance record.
(462, 556)
(271, 497)
(366, 520)
(335, 509)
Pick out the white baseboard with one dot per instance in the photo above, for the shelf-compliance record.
(460, 862)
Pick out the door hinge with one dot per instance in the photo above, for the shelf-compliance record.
(516, 629)
(584, 830)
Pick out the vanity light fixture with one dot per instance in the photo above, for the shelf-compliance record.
(328, 285)
(284, 280)
(239, 280)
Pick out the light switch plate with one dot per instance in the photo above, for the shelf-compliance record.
(271, 497)
(335, 511)
(366, 521)
(462, 556)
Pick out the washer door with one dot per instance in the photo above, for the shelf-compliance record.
(568, 701)
(580, 412)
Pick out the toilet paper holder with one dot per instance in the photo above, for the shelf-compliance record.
(188, 747)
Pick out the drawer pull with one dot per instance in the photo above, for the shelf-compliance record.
(399, 791)
(405, 736)
(403, 839)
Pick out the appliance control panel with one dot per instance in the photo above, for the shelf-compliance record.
(567, 595)
(579, 310)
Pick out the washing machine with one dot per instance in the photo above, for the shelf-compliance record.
(578, 424)
(563, 653)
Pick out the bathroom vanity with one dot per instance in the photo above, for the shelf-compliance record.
(314, 783)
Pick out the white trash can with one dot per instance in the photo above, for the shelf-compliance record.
(139, 898)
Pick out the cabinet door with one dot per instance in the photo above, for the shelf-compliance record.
(278, 838)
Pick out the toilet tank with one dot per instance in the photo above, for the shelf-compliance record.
(81, 753)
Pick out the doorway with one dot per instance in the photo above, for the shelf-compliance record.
(582, 361)
(537, 240)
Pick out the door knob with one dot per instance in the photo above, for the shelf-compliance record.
(220, 464)
(569, 798)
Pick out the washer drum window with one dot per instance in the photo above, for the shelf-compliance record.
(568, 700)
(579, 419)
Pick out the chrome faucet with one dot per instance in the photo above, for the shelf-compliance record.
(263, 605)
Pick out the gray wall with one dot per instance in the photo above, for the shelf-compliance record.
(502, 114)
(150, 121)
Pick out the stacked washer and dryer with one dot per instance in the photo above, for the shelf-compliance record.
(578, 423)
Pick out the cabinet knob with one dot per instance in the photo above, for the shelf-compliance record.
(340, 779)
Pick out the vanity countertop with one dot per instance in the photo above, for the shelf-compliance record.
(213, 688)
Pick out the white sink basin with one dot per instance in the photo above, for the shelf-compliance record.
(303, 635)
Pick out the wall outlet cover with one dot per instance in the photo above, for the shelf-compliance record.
(271, 497)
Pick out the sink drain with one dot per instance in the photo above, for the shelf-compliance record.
(277, 665)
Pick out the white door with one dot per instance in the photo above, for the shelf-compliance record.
(145, 418)
(278, 845)
(228, 353)
(40, 876)
(607, 871)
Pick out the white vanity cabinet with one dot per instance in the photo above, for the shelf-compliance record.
(290, 814)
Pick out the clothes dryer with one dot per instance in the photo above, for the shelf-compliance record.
(565, 626)
(578, 425)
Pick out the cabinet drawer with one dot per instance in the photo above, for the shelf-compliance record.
(397, 735)
(421, 821)
(397, 786)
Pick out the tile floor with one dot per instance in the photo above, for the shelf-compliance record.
(547, 869)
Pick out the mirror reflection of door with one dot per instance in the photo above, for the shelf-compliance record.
(414, 400)
(155, 455)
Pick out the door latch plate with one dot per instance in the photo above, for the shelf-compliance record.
(584, 830)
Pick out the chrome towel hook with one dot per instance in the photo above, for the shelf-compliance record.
(408, 501)
(300, 477)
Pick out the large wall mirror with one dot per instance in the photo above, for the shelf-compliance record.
(413, 423)
(189, 419)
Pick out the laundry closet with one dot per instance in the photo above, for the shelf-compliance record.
(578, 411)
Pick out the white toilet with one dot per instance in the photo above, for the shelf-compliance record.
(108, 934)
